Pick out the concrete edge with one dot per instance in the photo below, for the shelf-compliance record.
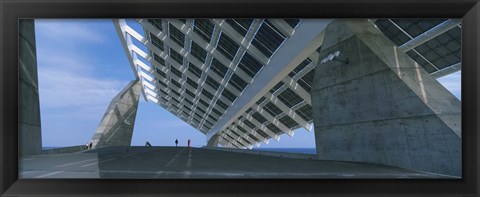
(70, 149)
(267, 153)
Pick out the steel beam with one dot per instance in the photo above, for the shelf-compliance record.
(282, 26)
(307, 38)
(297, 89)
(240, 40)
(262, 127)
(253, 131)
(448, 70)
(272, 119)
(430, 34)
(126, 41)
(286, 110)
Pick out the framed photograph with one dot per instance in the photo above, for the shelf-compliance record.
(239, 98)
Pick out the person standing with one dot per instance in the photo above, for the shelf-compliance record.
(176, 142)
(188, 143)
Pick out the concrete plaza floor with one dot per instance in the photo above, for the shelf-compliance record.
(183, 162)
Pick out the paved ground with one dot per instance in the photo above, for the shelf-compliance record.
(182, 162)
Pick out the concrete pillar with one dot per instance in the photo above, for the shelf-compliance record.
(116, 127)
(213, 142)
(30, 135)
(382, 107)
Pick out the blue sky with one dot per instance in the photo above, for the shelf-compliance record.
(82, 66)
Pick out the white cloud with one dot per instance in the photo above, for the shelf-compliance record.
(68, 76)
(72, 104)
(76, 78)
(63, 60)
(67, 31)
(64, 88)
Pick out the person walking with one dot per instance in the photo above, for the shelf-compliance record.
(188, 143)
(176, 142)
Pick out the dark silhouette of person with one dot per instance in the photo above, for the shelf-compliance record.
(188, 143)
(176, 142)
(90, 146)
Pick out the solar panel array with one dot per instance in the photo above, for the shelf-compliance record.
(434, 55)
(202, 66)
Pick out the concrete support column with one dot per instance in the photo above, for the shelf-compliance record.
(382, 107)
(29, 129)
(116, 127)
(213, 142)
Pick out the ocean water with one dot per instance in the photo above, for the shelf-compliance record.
(290, 150)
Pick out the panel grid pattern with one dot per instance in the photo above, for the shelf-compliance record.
(204, 29)
(201, 66)
(437, 53)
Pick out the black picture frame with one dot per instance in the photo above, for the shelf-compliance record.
(11, 11)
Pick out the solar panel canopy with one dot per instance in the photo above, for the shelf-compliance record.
(200, 69)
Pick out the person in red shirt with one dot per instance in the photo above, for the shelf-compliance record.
(188, 143)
